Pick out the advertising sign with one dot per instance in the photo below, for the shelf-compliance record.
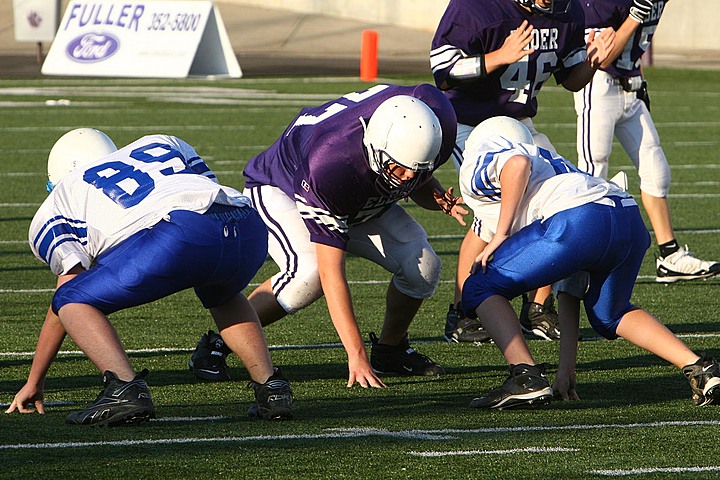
(166, 39)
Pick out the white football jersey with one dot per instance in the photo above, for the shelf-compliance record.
(554, 184)
(100, 204)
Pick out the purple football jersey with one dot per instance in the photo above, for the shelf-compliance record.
(612, 13)
(320, 161)
(472, 27)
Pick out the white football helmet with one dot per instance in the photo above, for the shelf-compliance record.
(405, 131)
(75, 148)
(506, 127)
(555, 7)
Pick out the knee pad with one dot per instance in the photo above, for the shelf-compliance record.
(419, 277)
(294, 294)
(654, 173)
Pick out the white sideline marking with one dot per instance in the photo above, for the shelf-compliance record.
(315, 346)
(445, 434)
(350, 282)
(175, 441)
(641, 471)
(549, 428)
(494, 452)
(47, 404)
(32, 290)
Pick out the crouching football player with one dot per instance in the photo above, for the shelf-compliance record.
(126, 227)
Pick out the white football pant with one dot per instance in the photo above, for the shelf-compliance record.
(395, 241)
(604, 110)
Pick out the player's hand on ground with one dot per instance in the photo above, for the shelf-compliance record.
(564, 387)
(515, 45)
(599, 46)
(362, 373)
(24, 400)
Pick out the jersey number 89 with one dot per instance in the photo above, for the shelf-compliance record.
(126, 185)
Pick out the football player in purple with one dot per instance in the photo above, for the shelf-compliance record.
(615, 104)
(330, 186)
(126, 227)
(492, 57)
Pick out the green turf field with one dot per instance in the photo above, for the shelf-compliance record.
(635, 418)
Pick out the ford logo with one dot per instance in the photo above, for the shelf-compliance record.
(92, 47)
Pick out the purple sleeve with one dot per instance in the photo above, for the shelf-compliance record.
(321, 163)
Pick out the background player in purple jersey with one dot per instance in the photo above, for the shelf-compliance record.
(330, 185)
(492, 57)
(616, 105)
(545, 220)
(123, 228)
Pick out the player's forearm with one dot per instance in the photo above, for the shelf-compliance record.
(580, 76)
(331, 268)
(497, 59)
(50, 340)
(513, 182)
(622, 37)
(341, 312)
(423, 195)
(569, 320)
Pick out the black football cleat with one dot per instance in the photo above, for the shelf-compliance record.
(704, 378)
(208, 360)
(526, 386)
(273, 399)
(459, 329)
(119, 403)
(540, 321)
(401, 359)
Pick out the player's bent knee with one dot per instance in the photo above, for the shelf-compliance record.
(299, 292)
(655, 175)
(419, 277)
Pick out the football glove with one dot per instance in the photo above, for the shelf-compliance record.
(640, 10)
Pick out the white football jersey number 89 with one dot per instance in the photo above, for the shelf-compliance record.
(126, 185)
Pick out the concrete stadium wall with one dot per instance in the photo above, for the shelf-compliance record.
(685, 25)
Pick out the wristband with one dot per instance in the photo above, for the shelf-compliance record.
(469, 69)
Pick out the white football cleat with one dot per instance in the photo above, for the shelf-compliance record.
(682, 265)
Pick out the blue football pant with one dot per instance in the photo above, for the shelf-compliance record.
(218, 255)
(609, 242)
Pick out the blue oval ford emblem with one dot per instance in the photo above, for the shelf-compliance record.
(92, 47)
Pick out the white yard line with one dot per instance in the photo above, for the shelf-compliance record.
(643, 471)
(338, 433)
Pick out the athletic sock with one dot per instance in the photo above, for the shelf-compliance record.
(669, 248)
